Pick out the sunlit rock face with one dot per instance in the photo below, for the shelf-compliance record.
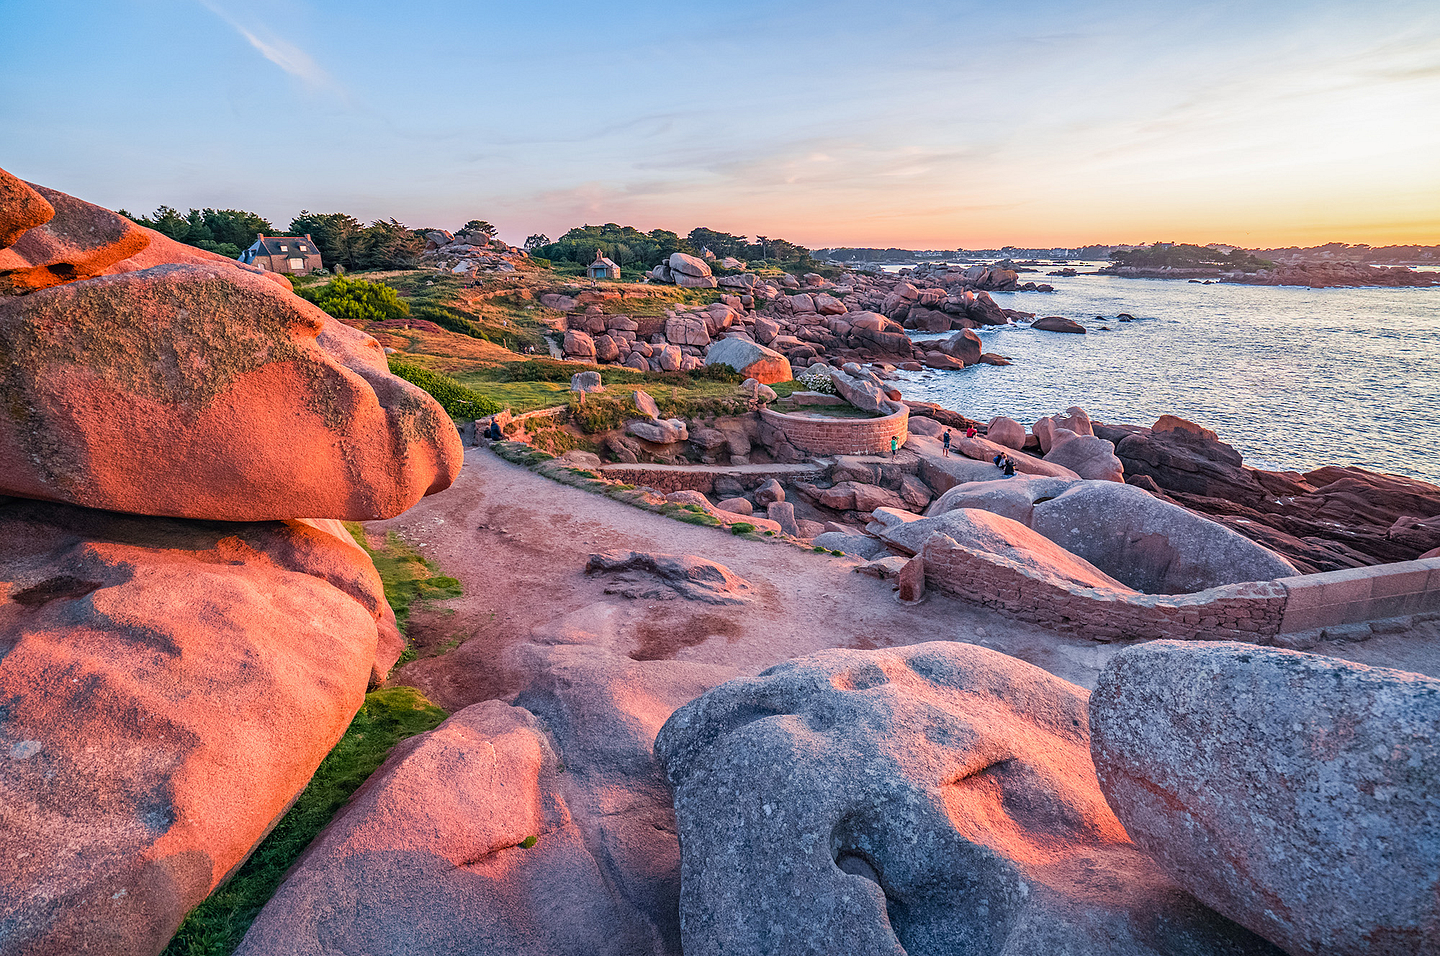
(934, 799)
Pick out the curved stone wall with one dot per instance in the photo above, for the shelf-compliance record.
(834, 436)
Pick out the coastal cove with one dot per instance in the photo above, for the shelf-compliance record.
(1294, 378)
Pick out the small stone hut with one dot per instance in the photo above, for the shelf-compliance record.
(602, 268)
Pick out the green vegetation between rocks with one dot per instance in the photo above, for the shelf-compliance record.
(388, 716)
(407, 575)
(355, 300)
(456, 399)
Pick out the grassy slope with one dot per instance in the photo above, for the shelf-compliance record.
(388, 716)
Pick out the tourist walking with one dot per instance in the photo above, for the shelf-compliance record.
(946, 439)
(894, 445)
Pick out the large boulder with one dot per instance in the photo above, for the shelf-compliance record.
(1007, 432)
(864, 395)
(1189, 460)
(164, 251)
(983, 310)
(1087, 456)
(964, 347)
(687, 328)
(579, 344)
(858, 544)
(204, 392)
(982, 449)
(659, 431)
(993, 535)
(876, 331)
(1291, 792)
(21, 209)
(80, 241)
(586, 382)
(937, 798)
(1152, 545)
(170, 687)
(682, 264)
(1013, 497)
(462, 842)
(607, 349)
(858, 496)
(751, 360)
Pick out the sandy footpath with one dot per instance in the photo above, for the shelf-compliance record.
(518, 542)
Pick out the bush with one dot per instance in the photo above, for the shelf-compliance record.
(741, 527)
(357, 300)
(600, 413)
(447, 318)
(817, 383)
(457, 400)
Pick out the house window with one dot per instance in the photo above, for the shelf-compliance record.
(297, 265)
(284, 248)
(302, 248)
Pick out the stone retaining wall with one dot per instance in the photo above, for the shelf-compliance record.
(1249, 612)
(835, 436)
(668, 478)
(1257, 612)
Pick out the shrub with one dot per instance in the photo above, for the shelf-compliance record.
(741, 527)
(599, 413)
(817, 383)
(457, 400)
(448, 318)
(357, 300)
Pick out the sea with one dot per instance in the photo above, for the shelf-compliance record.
(1293, 378)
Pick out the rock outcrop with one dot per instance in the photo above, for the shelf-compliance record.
(697, 579)
(1291, 792)
(170, 687)
(184, 390)
(462, 842)
(764, 365)
(1151, 545)
(933, 799)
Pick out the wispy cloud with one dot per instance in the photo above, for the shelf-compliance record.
(278, 50)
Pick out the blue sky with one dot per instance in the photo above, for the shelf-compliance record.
(913, 124)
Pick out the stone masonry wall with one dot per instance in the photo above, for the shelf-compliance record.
(838, 436)
(1249, 612)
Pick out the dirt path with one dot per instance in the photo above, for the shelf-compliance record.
(518, 542)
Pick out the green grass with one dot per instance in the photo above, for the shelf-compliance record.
(408, 576)
(388, 716)
(519, 397)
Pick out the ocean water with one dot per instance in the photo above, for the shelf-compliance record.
(1294, 378)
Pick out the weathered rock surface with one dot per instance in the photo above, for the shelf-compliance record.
(586, 382)
(1151, 545)
(145, 662)
(645, 403)
(980, 449)
(858, 496)
(857, 544)
(759, 391)
(694, 578)
(1013, 498)
(21, 209)
(933, 799)
(864, 395)
(998, 536)
(78, 242)
(688, 265)
(1007, 432)
(751, 360)
(1291, 792)
(661, 431)
(429, 857)
(1089, 457)
(210, 393)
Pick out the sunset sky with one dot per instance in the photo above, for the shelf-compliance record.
(921, 125)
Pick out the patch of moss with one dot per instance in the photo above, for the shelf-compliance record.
(741, 527)
(388, 716)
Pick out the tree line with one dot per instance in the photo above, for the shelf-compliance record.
(1186, 256)
(630, 248)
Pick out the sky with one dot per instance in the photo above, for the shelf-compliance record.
(930, 125)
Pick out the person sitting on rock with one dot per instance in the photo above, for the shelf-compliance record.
(999, 461)
(970, 432)
(945, 440)
(1009, 467)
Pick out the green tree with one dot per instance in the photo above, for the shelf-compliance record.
(388, 244)
(339, 236)
(536, 241)
(480, 226)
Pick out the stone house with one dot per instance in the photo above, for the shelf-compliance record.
(602, 268)
(286, 254)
